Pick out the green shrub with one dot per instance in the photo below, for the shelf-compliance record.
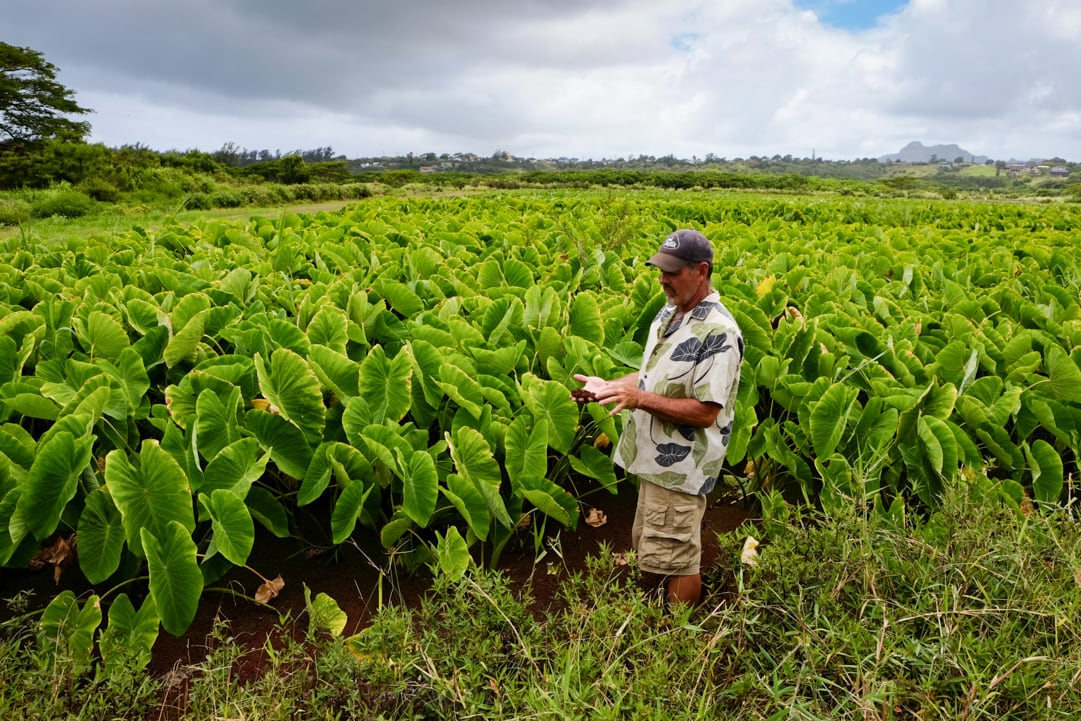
(266, 195)
(100, 190)
(226, 199)
(198, 201)
(13, 212)
(62, 201)
(357, 190)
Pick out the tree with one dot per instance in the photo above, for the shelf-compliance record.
(33, 105)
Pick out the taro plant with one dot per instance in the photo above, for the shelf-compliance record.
(402, 369)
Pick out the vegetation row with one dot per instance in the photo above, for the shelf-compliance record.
(401, 369)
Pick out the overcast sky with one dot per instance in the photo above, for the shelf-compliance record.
(842, 79)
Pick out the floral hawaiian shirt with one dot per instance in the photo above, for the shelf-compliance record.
(700, 358)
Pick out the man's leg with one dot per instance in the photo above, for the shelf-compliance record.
(685, 589)
(668, 540)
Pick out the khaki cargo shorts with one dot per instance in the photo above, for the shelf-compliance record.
(667, 532)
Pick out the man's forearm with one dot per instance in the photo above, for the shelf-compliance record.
(677, 411)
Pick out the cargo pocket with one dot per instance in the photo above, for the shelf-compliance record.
(670, 543)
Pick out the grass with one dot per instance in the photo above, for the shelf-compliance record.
(971, 612)
(62, 229)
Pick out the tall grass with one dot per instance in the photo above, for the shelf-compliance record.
(969, 613)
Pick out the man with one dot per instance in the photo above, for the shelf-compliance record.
(682, 403)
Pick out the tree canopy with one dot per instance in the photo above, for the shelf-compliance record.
(33, 105)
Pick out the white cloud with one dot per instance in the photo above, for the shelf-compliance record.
(585, 78)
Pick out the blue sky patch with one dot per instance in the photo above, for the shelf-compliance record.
(852, 15)
(685, 42)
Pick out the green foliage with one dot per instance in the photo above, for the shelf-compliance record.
(100, 190)
(14, 211)
(33, 105)
(402, 369)
(963, 613)
(62, 201)
(967, 612)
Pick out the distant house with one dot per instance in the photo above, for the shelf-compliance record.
(1060, 171)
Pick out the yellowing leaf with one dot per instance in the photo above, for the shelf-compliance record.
(765, 286)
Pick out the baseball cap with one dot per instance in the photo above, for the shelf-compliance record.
(680, 248)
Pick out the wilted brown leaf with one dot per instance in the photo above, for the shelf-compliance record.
(269, 590)
(59, 554)
(602, 441)
(596, 517)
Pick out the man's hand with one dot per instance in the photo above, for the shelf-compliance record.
(622, 392)
(625, 394)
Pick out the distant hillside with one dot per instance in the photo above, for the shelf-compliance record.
(917, 152)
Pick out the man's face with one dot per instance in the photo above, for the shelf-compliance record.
(681, 286)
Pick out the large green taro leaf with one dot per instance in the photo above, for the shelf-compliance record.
(217, 421)
(526, 452)
(471, 504)
(585, 318)
(176, 583)
(289, 449)
(461, 388)
(829, 418)
(101, 335)
(347, 510)
(476, 465)
(420, 488)
(1045, 465)
(101, 537)
(235, 468)
(288, 382)
(594, 464)
(67, 632)
(553, 501)
(1064, 375)
(183, 344)
(385, 384)
(127, 642)
(150, 494)
(551, 403)
(52, 482)
(339, 373)
(330, 328)
(232, 525)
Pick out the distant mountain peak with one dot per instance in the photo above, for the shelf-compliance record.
(917, 152)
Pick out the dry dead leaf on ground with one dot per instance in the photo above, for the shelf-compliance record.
(269, 590)
(59, 554)
(596, 517)
(622, 559)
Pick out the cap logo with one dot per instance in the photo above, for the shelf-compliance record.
(671, 242)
